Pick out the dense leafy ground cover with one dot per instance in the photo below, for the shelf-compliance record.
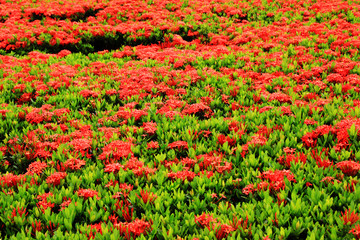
(189, 119)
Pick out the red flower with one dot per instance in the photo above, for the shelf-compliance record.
(86, 93)
(349, 217)
(281, 97)
(66, 202)
(257, 140)
(204, 220)
(113, 167)
(351, 186)
(147, 196)
(320, 161)
(55, 178)
(118, 149)
(242, 224)
(81, 144)
(248, 189)
(144, 171)
(20, 212)
(43, 203)
(356, 231)
(310, 139)
(223, 231)
(150, 127)
(152, 145)
(36, 168)
(222, 139)
(349, 168)
(328, 180)
(133, 229)
(180, 145)
(198, 108)
(182, 175)
(87, 193)
(295, 158)
(335, 78)
(310, 122)
(36, 226)
(74, 164)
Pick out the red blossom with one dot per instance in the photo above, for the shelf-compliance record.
(10, 180)
(281, 97)
(198, 108)
(87, 193)
(257, 140)
(134, 229)
(150, 127)
(323, 162)
(55, 178)
(222, 139)
(94, 229)
(248, 189)
(147, 196)
(81, 144)
(242, 225)
(356, 231)
(66, 202)
(204, 220)
(349, 217)
(183, 175)
(152, 145)
(310, 122)
(43, 204)
(74, 164)
(117, 149)
(180, 145)
(36, 168)
(289, 158)
(113, 167)
(144, 171)
(328, 180)
(36, 227)
(349, 167)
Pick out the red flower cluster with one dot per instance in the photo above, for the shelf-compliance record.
(44, 203)
(74, 164)
(81, 144)
(223, 230)
(36, 168)
(198, 108)
(146, 196)
(222, 139)
(55, 178)
(356, 231)
(323, 162)
(272, 180)
(152, 145)
(113, 167)
(150, 127)
(291, 157)
(116, 151)
(87, 193)
(10, 180)
(131, 230)
(349, 217)
(349, 168)
(183, 175)
(180, 145)
(211, 223)
(212, 162)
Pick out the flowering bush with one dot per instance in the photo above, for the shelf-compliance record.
(179, 119)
